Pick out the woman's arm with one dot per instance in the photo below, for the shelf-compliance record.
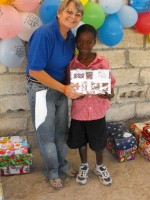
(47, 80)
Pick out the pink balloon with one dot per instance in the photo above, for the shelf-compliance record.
(10, 22)
(30, 22)
(26, 5)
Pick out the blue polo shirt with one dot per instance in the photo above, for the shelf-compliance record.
(49, 51)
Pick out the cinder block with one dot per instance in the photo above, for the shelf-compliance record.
(121, 112)
(13, 103)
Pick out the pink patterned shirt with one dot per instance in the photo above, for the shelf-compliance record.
(91, 107)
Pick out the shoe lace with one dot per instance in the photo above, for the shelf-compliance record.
(103, 171)
(83, 171)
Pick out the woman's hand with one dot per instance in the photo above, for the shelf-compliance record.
(71, 93)
(106, 95)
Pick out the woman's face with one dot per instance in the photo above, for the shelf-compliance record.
(70, 16)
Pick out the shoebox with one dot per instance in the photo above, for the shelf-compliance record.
(140, 127)
(119, 136)
(120, 142)
(144, 148)
(1, 191)
(13, 145)
(122, 155)
(16, 164)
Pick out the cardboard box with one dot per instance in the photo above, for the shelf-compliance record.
(144, 148)
(120, 142)
(119, 136)
(13, 145)
(122, 155)
(138, 128)
(14, 170)
(91, 81)
(17, 164)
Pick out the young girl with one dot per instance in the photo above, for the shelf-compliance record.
(88, 125)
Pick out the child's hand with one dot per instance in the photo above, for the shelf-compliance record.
(81, 97)
(106, 95)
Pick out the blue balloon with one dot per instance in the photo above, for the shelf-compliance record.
(48, 10)
(140, 5)
(111, 32)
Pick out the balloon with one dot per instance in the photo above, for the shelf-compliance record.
(111, 32)
(84, 2)
(111, 6)
(12, 52)
(140, 5)
(93, 15)
(30, 23)
(143, 23)
(6, 2)
(74, 30)
(128, 16)
(10, 22)
(26, 5)
(48, 10)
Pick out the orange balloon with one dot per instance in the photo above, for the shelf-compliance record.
(6, 2)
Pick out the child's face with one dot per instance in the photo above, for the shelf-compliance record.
(85, 42)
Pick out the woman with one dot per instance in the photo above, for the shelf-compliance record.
(51, 47)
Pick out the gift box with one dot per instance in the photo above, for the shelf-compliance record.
(13, 145)
(146, 132)
(138, 128)
(91, 81)
(14, 170)
(16, 164)
(144, 148)
(122, 155)
(120, 142)
(120, 137)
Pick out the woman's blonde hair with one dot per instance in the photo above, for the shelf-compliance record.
(65, 3)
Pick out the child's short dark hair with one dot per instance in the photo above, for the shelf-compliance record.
(86, 28)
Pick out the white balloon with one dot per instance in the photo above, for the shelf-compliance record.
(30, 23)
(128, 16)
(12, 52)
(111, 6)
(74, 30)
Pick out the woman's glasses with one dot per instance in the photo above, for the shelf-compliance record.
(76, 14)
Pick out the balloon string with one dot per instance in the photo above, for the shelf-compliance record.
(148, 37)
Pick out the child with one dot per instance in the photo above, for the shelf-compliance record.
(88, 123)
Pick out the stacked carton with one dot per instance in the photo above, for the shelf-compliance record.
(14, 156)
(142, 134)
(120, 142)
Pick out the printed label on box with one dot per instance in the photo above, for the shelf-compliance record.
(91, 81)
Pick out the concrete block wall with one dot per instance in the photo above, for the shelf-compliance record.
(130, 64)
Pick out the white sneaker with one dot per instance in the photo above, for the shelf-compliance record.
(82, 175)
(103, 175)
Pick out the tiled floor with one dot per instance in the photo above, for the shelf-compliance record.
(131, 180)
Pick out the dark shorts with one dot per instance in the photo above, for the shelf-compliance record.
(92, 132)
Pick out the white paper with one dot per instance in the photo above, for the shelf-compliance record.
(40, 108)
(91, 81)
